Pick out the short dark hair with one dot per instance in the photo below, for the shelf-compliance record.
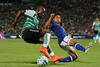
(41, 8)
(57, 13)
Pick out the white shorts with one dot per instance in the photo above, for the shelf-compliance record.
(65, 44)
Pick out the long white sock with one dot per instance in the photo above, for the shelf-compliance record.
(46, 39)
(46, 43)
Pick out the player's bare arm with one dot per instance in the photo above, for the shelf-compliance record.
(16, 18)
(46, 26)
(49, 20)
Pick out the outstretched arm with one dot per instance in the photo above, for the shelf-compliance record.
(46, 26)
(49, 20)
(16, 18)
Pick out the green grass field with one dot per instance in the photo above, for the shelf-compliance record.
(17, 53)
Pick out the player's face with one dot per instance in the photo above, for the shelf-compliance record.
(41, 13)
(97, 19)
(58, 18)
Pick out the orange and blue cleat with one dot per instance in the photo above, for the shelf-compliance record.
(55, 58)
(45, 51)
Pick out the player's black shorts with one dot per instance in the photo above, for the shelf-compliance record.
(32, 35)
(96, 32)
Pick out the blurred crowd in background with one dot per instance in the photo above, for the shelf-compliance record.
(77, 15)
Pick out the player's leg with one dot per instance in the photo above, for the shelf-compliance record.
(71, 42)
(46, 49)
(54, 58)
(73, 56)
(46, 46)
(50, 51)
(46, 40)
(78, 46)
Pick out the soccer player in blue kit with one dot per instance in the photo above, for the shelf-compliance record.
(65, 42)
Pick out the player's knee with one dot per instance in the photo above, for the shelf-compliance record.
(76, 56)
(72, 41)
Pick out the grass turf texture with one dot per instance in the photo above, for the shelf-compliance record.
(17, 53)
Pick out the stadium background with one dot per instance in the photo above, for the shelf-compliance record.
(77, 16)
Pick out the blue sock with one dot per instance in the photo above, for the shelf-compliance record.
(79, 47)
(68, 59)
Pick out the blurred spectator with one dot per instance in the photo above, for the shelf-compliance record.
(77, 16)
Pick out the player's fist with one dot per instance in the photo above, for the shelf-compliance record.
(52, 15)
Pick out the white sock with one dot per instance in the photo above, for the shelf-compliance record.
(46, 39)
(46, 43)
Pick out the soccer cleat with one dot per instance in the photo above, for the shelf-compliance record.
(88, 47)
(45, 51)
(55, 58)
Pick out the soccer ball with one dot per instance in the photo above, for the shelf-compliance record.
(42, 61)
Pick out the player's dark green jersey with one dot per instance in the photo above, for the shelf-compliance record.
(31, 20)
(96, 25)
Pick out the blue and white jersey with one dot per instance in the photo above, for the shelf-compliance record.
(58, 30)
